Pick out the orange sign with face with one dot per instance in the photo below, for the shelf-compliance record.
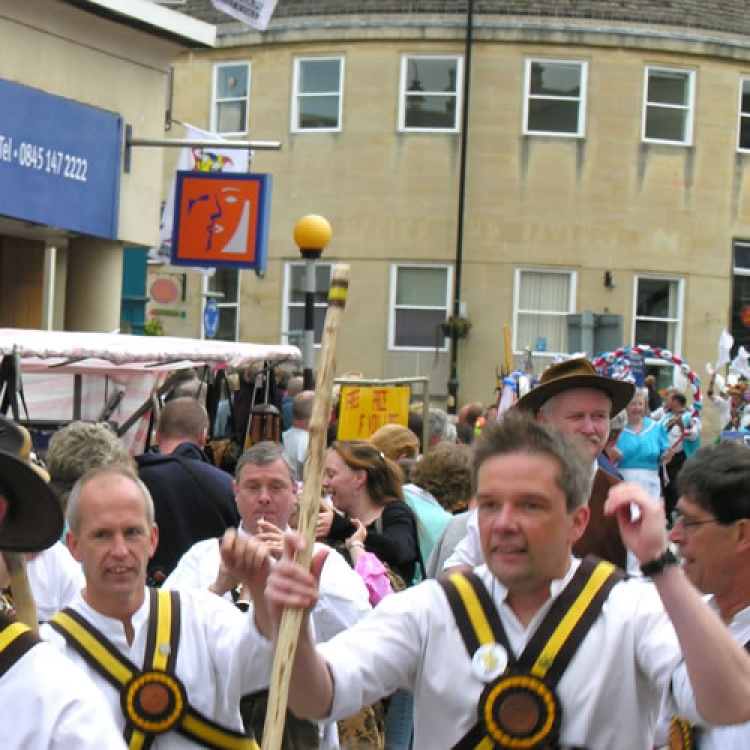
(221, 219)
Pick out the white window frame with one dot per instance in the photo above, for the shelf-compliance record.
(688, 108)
(392, 346)
(287, 303)
(297, 95)
(519, 346)
(215, 102)
(403, 91)
(677, 320)
(207, 293)
(582, 99)
(742, 115)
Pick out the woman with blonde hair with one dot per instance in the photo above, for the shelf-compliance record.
(396, 442)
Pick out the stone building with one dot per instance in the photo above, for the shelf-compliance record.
(601, 157)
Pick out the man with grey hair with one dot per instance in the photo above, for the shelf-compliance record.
(440, 427)
(574, 398)
(532, 648)
(194, 500)
(265, 492)
(78, 447)
(165, 662)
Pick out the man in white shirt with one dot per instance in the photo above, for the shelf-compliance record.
(172, 667)
(712, 532)
(48, 703)
(601, 689)
(265, 495)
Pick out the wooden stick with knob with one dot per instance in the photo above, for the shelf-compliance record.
(291, 619)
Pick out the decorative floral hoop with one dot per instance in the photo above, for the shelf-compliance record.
(618, 363)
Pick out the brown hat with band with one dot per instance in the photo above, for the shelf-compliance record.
(576, 373)
(31, 517)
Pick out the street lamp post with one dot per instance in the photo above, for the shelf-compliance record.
(311, 233)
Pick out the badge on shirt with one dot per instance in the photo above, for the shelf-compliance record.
(489, 661)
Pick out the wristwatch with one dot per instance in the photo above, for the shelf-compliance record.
(657, 565)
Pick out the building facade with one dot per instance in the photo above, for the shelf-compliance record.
(602, 157)
(74, 78)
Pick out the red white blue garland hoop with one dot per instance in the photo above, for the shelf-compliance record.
(616, 364)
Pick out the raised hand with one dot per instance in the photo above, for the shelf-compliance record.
(641, 520)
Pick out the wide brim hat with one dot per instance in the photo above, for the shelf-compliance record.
(33, 520)
(576, 373)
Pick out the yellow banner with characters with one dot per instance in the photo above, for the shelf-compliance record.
(364, 409)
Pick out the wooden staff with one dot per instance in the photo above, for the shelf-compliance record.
(291, 619)
(23, 600)
(508, 350)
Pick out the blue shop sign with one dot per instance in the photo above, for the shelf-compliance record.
(59, 162)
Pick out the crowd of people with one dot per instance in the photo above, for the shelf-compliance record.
(570, 573)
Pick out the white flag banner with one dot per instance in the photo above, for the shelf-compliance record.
(255, 13)
(196, 159)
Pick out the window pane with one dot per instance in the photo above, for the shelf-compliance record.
(543, 332)
(555, 79)
(424, 287)
(433, 76)
(227, 330)
(745, 133)
(742, 256)
(230, 117)
(297, 283)
(657, 298)
(319, 76)
(225, 281)
(655, 333)
(297, 321)
(231, 82)
(553, 116)
(544, 292)
(319, 112)
(430, 111)
(740, 301)
(665, 124)
(418, 328)
(667, 88)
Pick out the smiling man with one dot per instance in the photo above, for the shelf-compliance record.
(711, 528)
(48, 703)
(534, 648)
(575, 399)
(172, 667)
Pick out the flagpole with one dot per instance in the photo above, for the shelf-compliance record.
(198, 143)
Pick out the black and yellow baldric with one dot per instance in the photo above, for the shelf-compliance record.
(681, 735)
(153, 699)
(15, 640)
(519, 708)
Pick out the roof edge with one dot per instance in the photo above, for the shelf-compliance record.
(153, 19)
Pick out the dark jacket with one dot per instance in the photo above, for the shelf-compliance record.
(193, 501)
(396, 543)
(602, 535)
